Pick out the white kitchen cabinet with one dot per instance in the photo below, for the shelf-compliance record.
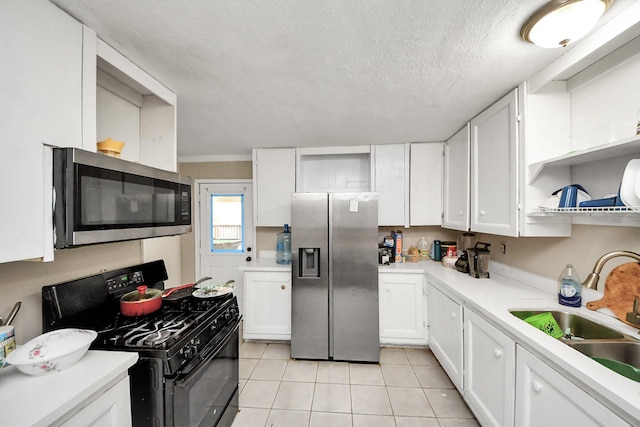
(334, 169)
(425, 194)
(40, 81)
(267, 307)
(402, 299)
(494, 168)
(544, 397)
(455, 195)
(123, 102)
(110, 408)
(392, 183)
(274, 179)
(445, 333)
(489, 371)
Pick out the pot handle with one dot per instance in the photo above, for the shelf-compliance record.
(177, 288)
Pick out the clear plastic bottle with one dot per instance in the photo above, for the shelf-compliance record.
(569, 287)
(283, 246)
(423, 248)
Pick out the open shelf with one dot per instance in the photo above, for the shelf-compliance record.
(606, 151)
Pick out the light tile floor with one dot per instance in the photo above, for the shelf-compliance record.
(408, 388)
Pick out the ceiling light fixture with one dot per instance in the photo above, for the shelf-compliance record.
(561, 22)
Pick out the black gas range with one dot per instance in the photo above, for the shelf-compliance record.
(188, 370)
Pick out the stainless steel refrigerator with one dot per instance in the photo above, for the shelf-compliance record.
(334, 268)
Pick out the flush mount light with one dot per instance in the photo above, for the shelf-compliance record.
(561, 22)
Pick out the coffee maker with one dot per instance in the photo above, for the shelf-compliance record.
(465, 241)
(479, 260)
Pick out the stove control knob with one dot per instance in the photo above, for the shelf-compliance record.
(188, 353)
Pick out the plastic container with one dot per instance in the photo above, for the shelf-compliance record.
(546, 323)
(436, 251)
(423, 248)
(283, 246)
(569, 287)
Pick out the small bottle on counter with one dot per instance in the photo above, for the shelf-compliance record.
(283, 246)
(569, 287)
(423, 248)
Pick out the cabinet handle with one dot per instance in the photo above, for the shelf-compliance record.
(283, 287)
(460, 213)
(453, 314)
(537, 387)
(497, 353)
(388, 289)
(482, 212)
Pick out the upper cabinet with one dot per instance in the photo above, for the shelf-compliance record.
(125, 103)
(67, 88)
(580, 118)
(494, 172)
(425, 194)
(392, 183)
(334, 169)
(455, 194)
(274, 179)
(41, 82)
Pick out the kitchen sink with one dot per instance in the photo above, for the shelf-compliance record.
(615, 350)
(579, 327)
(621, 357)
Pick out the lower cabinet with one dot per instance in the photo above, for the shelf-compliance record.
(445, 333)
(111, 408)
(489, 371)
(267, 305)
(545, 398)
(402, 298)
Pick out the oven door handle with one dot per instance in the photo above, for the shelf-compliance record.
(184, 377)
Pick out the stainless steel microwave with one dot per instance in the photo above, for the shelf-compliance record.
(99, 199)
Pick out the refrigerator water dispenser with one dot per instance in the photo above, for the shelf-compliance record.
(309, 262)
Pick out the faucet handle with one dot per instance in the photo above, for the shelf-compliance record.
(634, 316)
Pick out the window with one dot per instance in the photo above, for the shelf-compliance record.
(227, 224)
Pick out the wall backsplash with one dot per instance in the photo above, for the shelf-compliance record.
(23, 281)
(547, 256)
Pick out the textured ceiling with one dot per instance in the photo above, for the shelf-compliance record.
(285, 73)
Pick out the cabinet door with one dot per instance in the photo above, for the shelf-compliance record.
(545, 398)
(392, 183)
(489, 373)
(445, 333)
(456, 181)
(274, 172)
(112, 408)
(267, 313)
(425, 200)
(402, 308)
(40, 82)
(494, 177)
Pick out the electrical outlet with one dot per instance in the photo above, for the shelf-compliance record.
(503, 248)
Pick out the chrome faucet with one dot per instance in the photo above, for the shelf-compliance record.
(591, 281)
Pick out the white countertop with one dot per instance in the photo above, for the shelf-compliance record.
(265, 264)
(493, 298)
(27, 400)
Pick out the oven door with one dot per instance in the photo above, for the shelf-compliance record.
(208, 394)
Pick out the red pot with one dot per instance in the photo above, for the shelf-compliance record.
(145, 300)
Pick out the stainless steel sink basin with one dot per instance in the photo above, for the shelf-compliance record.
(625, 352)
(621, 357)
(615, 350)
(579, 326)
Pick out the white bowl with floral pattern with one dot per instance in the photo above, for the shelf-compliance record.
(52, 352)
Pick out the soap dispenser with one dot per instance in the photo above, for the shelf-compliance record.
(569, 287)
